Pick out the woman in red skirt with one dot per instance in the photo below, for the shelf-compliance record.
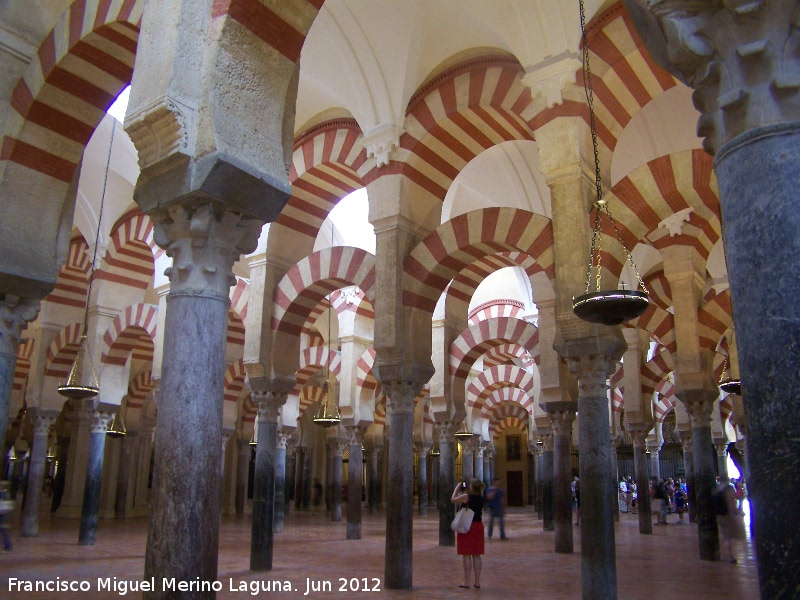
(470, 544)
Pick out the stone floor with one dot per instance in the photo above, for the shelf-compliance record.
(662, 565)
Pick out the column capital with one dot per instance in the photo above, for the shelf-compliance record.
(401, 395)
(549, 79)
(732, 54)
(268, 405)
(99, 421)
(355, 434)
(547, 442)
(423, 449)
(283, 438)
(15, 314)
(204, 239)
(699, 404)
(445, 429)
(639, 438)
(42, 420)
(561, 421)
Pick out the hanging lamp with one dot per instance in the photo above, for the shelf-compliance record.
(116, 428)
(727, 384)
(435, 450)
(328, 414)
(254, 440)
(463, 434)
(82, 380)
(606, 307)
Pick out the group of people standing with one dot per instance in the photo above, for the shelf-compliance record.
(668, 497)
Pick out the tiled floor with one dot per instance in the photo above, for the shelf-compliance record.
(662, 565)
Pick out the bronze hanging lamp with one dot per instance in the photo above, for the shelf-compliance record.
(82, 380)
(328, 414)
(463, 434)
(727, 384)
(606, 307)
(116, 428)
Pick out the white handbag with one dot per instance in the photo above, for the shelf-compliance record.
(463, 520)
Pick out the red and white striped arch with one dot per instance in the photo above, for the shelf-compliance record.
(62, 351)
(123, 336)
(509, 353)
(240, 294)
(660, 290)
(666, 401)
(379, 414)
(314, 359)
(660, 324)
(131, 252)
(467, 281)
(310, 395)
(366, 382)
(455, 245)
(316, 276)
(618, 399)
(495, 378)
(655, 371)
(507, 415)
(485, 335)
(235, 335)
(325, 165)
(138, 389)
(507, 395)
(353, 301)
(24, 353)
(249, 409)
(234, 381)
(73, 278)
(504, 307)
(463, 111)
(714, 318)
(79, 69)
(726, 409)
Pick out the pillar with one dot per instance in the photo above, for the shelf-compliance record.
(204, 240)
(467, 459)
(480, 471)
(546, 489)
(642, 481)
(561, 421)
(242, 473)
(226, 436)
(422, 508)
(399, 495)
(280, 481)
(372, 480)
(87, 535)
(42, 420)
(540, 480)
(655, 462)
(140, 498)
(305, 479)
(688, 463)
(722, 458)
(336, 448)
(531, 478)
(446, 482)
(355, 470)
(80, 423)
(129, 443)
(261, 537)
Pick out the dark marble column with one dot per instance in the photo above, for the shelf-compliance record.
(242, 473)
(261, 536)
(330, 474)
(531, 478)
(642, 481)
(540, 480)
(655, 462)
(203, 240)
(422, 508)
(336, 448)
(355, 483)
(480, 470)
(467, 459)
(433, 496)
(305, 480)
(383, 451)
(127, 452)
(299, 454)
(446, 482)
(226, 436)
(546, 489)
(400, 477)
(15, 314)
(688, 465)
(42, 420)
(87, 536)
(280, 482)
(699, 404)
(561, 421)
(372, 480)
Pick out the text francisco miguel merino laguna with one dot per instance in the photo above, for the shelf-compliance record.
(171, 584)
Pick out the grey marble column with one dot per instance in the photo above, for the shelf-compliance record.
(329, 475)
(355, 470)
(531, 478)
(242, 474)
(467, 459)
(446, 482)
(422, 499)
(655, 462)
(87, 536)
(379, 486)
(433, 496)
(722, 458)
(561, 421)
(145, 451)
(546, 489)
(15, 314)
(480, 471)
(305, 480)
(642, 482)
(261, 533)
(400, 479)
(337, 448)
(203, 240)
(42, 420)
(291, 467)
(699, 404)
(226, 436)
(127, 452)
(540, 480)
(280, 481)
(372, 480)
(688, 465)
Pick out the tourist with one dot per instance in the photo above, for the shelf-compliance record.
(470, 545)
(495, 495)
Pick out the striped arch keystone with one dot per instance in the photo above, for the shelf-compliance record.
(485, 335)
(501, 376)
(458, 243)
(122, 336)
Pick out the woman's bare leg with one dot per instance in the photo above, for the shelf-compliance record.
(467, 569)
(478, 563)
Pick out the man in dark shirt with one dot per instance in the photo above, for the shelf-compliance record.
(494, 497)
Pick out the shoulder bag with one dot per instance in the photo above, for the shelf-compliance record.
(463, 520)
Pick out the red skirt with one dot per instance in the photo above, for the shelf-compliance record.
(471, 543)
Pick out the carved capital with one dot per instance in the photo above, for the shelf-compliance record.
(639, 438)
(561, 421)
(99, 421)
(547, 442)
(445, 430)
(400, 395)
(282, 439)
(268, 405)
(355, 434)
(15, 314)
(549, 79)
(592, 373)
(380, 144)
(204, 240)
(686, 441)
(699, 404)
(42, 422)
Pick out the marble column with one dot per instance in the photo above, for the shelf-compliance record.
(467, 459)
(226, 436)
(42, 420)
(305, 480)
(655, 462)
(372, 480)
(280, 481)
(204, 240)
(422, 508)
(329, 475)
(261, 533)
(642, 481)
(15, 314)
(699, 404)
(242, 474)
(722, 459)
(531, 478)
(751, 120)
(355, 483)
(688, 465)
(593, 362)
(87, 535)
(433, 497)
(400, 476)
(128, 450)
(141, 503)
(446, 482)
(291, 462)
(546, 489)
(337, 448)
(540, 480)
(561, 421)
(480, 471)
(615, 476)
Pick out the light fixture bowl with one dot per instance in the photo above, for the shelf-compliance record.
(327, 421)
(116, 434)
(611, 307)
(79, 392)
(731, 386)
(462, 435)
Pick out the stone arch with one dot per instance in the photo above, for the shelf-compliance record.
(479, 338)
(495, 378)
(240, 294)
(714, 318)
(24, 353)
(63, 350)
(234, 381)
(139, 388)
(72, 283)
(312, 360)
(131, 252)
(124, 332)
